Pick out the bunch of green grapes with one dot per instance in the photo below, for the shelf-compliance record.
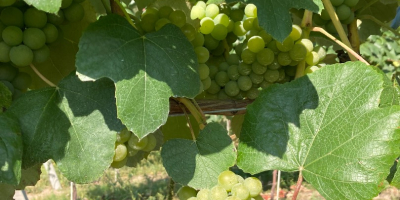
(17, 82)
(230, 187)
(26, 31)
(343, 10)
(128, 145)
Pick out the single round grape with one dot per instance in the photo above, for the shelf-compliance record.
(248, 56)
(231, 38)
(74, 13)
(223, 66)
(271, 75)
(8, 85)
(149, 20)
(330, 27)
(311, 69)
(161, 23)
(350, 3)
(4, 52)
(198, 40)
(185, 192)
(189, 31)
(298, 52)
(212, 10)
(120, 152)
(131, 151)
(343, 12)
(252, 93)
(250, 10)
(230, 27)
(150, 11)
(56, 19)
(206, 25)
(233, 72)
(325, 15)
(35, 18)
(265, 36)
(7, 2)
(265, 84)
(197, 12)
(137, 144)
(286, 45)
(227, 179)
(233, 59)
(222, 78)
(256, 78)
(253, 185)
(66, 3)
(317, 19)
(306, 43)
(51, 33)
(248, 23)
(21, 55)
(312, 58)
(210, 42)
(7, 72)
(296, 32)
(294, 63)
(201, 4)
(12, 35)
(238, 29)
(206, 83)
(204, 71)
(284, 58)
(203, 194)
(151, 143)
(237, 15)
(222, 19)
(244, 69)
(213, 70)
(275, 64)
(224, 8)
(34, 38)
(22, 81)
(232, 88)
(123, 136)
(265, 56)
(178, 17)
(337, 2)
(214, 88)
(258, 68)
(202, 54)
(219, 32)
(256, 44)
(245, 83)
(12, 16)
(222, 95)
(218, 193)
(164, 12)
(240, 191)
(321, 53)
(349, 19)
(41, 55)
(282, 74)
(119, 164)
(273, 47)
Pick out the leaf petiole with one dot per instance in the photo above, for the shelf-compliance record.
(41, 76)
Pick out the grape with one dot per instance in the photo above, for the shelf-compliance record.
(185, 192)
(343, 12)
(232, 89)
(298, 52)
(265, 36)
(22, 81)
(312, 58)
(265, 84)
(272, 46)
(218, 193)
(330, 27)
(240, 178)
(349, 19)
(244, 69)
(34, 38)
(7, 2)
(202, 54)
(284, 58)
(325, 15)
(214, 88)
(258, 68)
(233, 72)
(271, 75)
(256, 78)
(57, 19)
(306, 43)
(251, 33)
(233, 59)
(230, 27)
(256, 44)
(131, 151)
(221, 19)
(204, 71)
(203, 194)
(197, 12)
(206, 25)
(35, 18)
(248, 56)
(7, 72)
(296, 32)
(318, 20)
(294, 63)
(219, 32)
(222, 78)
(201, 4)
(74, 13)
(248, 23)
(222, 95)
(120, 152)
(206, 83)
(253, 185)
(237, 15)
(250, 10)
(321, 53)
(119, 164)
(189, 31)
(4, 52)
(192, 198)
(275, 64)
(252, 93)
(41, 55)
(337, 2)
(226, 9)
(212, 11)
(161, 23)
(265, 56)
(286, 45)
(311, 69)
(66, 3)
(12, 35)
(151, 143)
(123, 136)
(238, 29)
(210, 42)
(351, 3)
(137, 144)
(12, 16)
(282, 74)
(165, 11)
(213, 70)
(240, 191)
(149, 20)
(232, 198)
(198, 40)
(21, 55)
(178, 18)
(227, 179)
(51, 32)
(8, 85)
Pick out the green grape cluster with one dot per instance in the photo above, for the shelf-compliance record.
(343, 10)
(230, 187)
(17, 82)
(128, 145)
(26, 32)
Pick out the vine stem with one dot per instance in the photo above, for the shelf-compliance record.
(41, 76)
(298, 186)
(190, 123)
(300, 69)
(203, 116)
(196, 112)
(125, 13)
(348, 49)
(306, 22)
(374, 19)
(108, 9)
(342, 34)
(171, 189)
(353, 36)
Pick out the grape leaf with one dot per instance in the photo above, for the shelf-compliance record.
(198, 163)
(48, 6)
(331, 130)
(274, 16)
(74, 124)
(10, 150)
(396, 178)
(178, 127)
(381, 11)
(5, 97)
(145, 69)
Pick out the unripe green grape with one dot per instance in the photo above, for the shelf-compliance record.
(21, 55)
(131, 151)
(222, 18)
(237, 15)
(349, 19)
(265, 36)
(218, 193)
(148, 22)
(206, 83)
(161, 23)
(337, 2)
(35, 18)
(51, 32)
(265, 56)
(256, 44)
(306, 43)
(197, 12)
(233, 59)
(296, 32)
(150, 11)
(7, 2)
(178, 18)
(252, 93)
(232, 89)
(219, 32)
(251, 33)
(12, 35)
(312, 58)
(204, 71)
(202, 54)
(253, 185)
(137, 144)
(12, 16)
(351, 3)
(198, 40)
(119, 164)
(321, 53)
(330, 27)
(41, 55)
(343, 12)
(298, 52)
(284, 58)
(206, 25)
(210, 42)
(22, 81)
(222, 78)
(230, 27)
(120, 152)
(286, 45)
(214, 88)
(227, 179)
(233, 198)
(201, 4)
(213, 70)
(258, 68)
(165, 11)
(123, 136)
(294, 63)
(256, 78)
(240, 191)
(250, 10)
(248, 56)
(311, 69)
(239, 49)
(56, 19)
(265, 84)
(151, 143)
(240, 179)
(275, 64)
(8, 85)
(192, 198)
(271, 75)
(248, 23)
(233, 72)
(189, 31)
(224, 8)
(244, 69)
(34, 38)
(222, 95)
(325, 15)
(185, 192)
(212, 11)
(7, 72)
(317, 19)
(238, 29)
(273, 47)
(282, 74)
(203, 194)
(4, 52)
(245, 83)
(66, 3)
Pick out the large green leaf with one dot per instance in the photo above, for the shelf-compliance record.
(198, 163)
(10, 150)
(381, 11)
(178, 127)
(274, 16)
(74, 124)
(329, 126)
(48, 6)
(5, 97)
(147, 69)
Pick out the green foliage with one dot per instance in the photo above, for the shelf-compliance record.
(5, 97)
(47, 6)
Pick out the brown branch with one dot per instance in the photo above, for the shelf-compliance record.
(115, 8)
(273, 188)
(215, 107)
(298, 186)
